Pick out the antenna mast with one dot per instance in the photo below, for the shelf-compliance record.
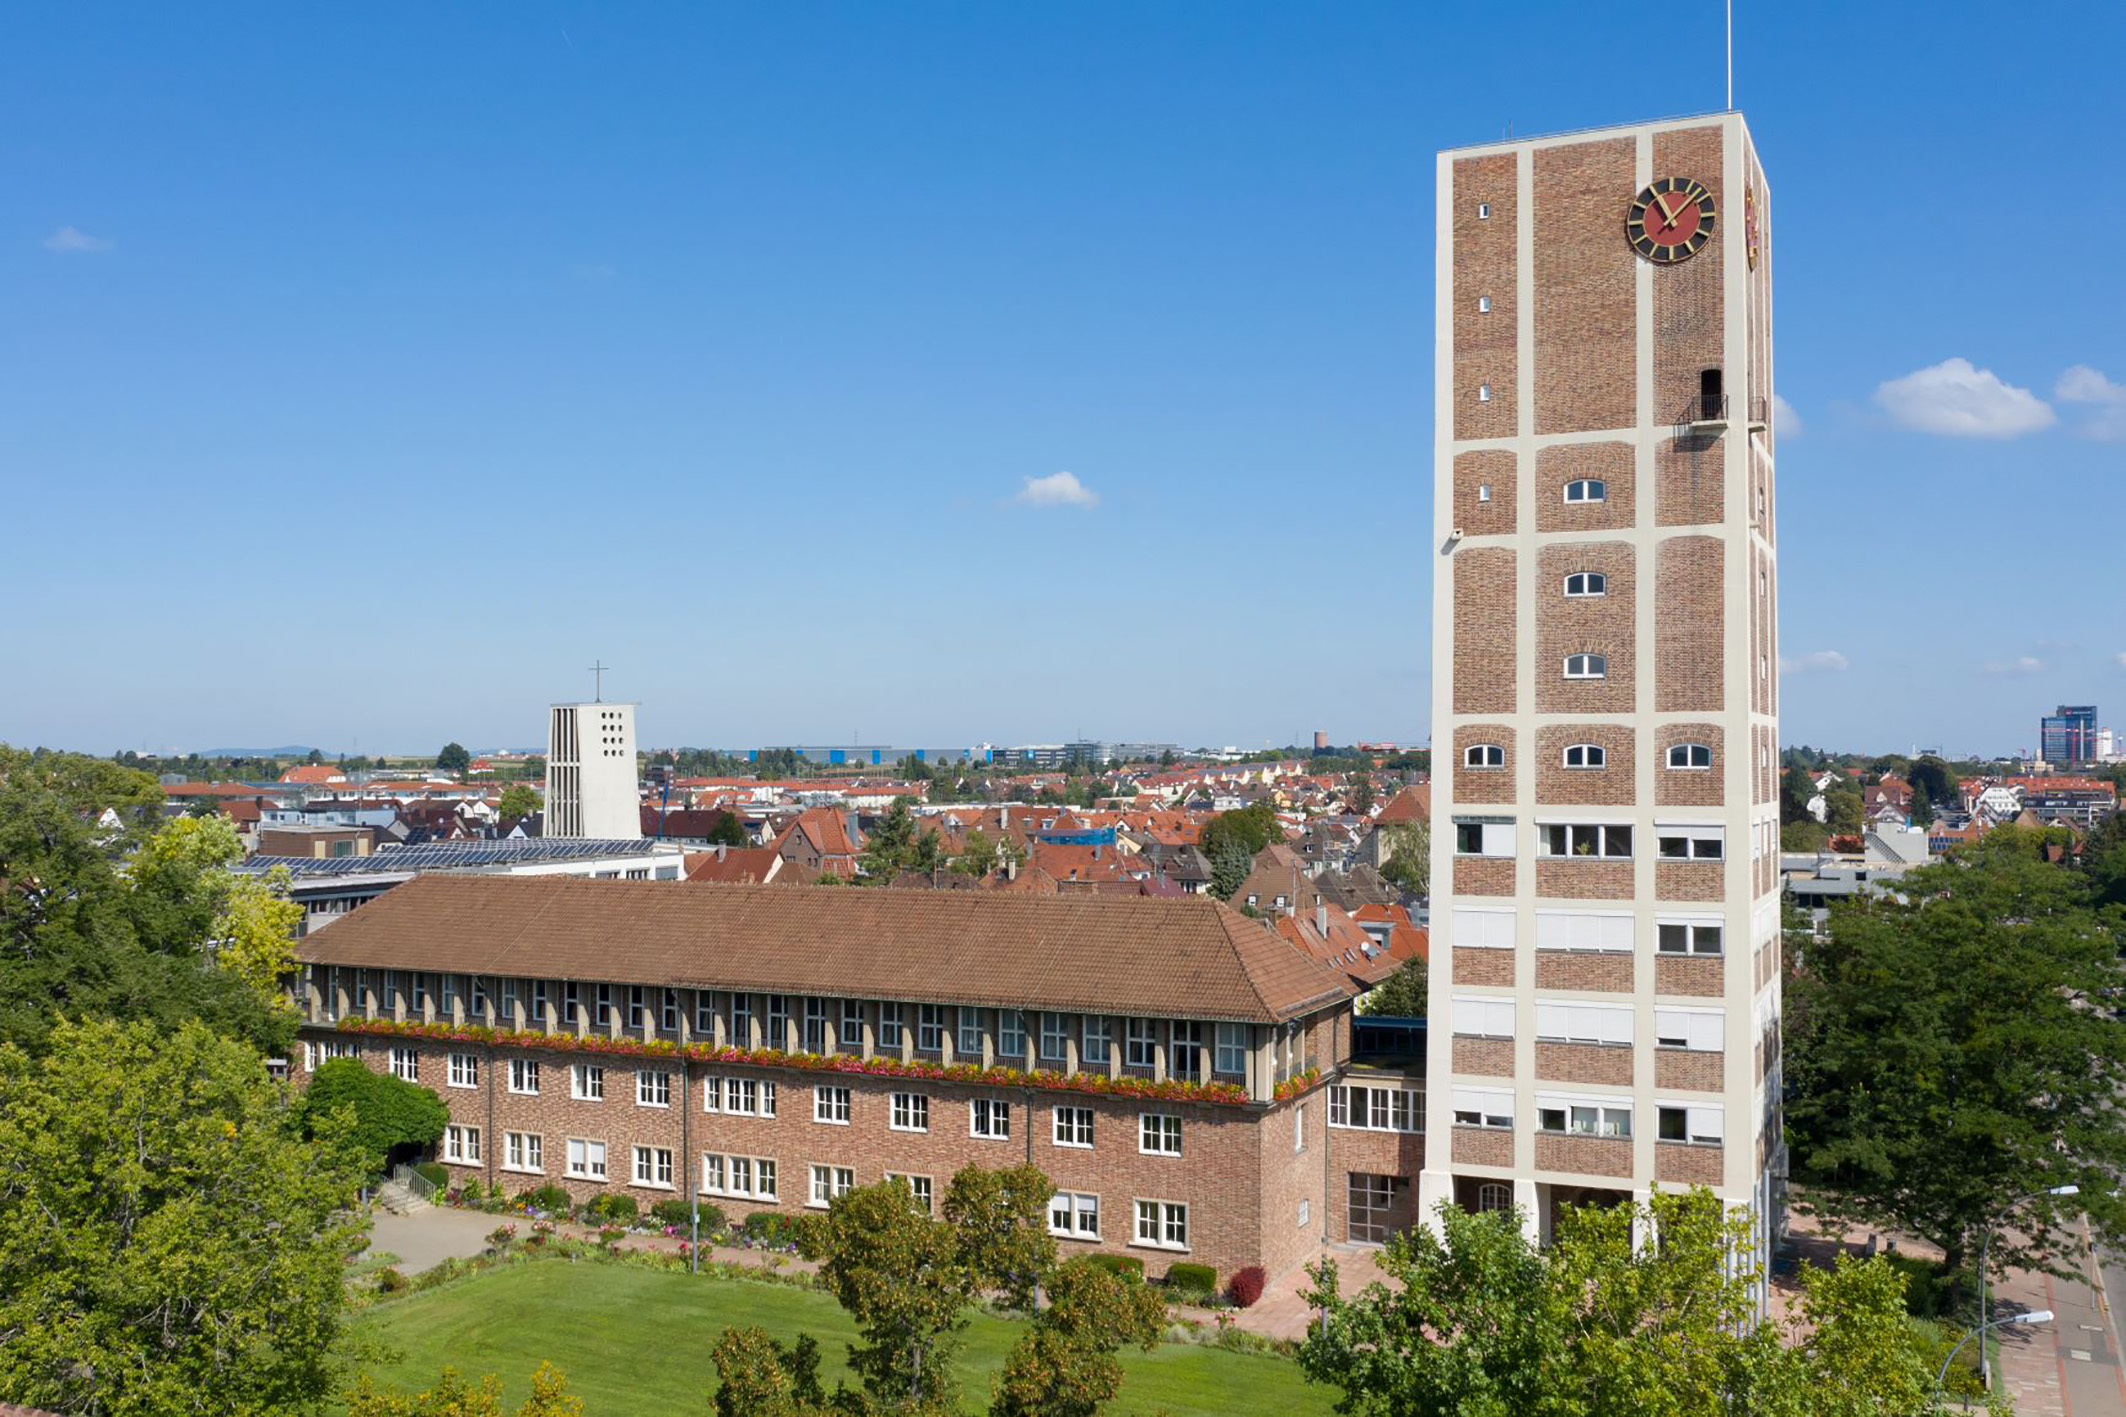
(1730, 53)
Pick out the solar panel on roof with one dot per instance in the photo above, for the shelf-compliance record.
(447, 855)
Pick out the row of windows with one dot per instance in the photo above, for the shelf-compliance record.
(1590, 1116)
(1683, 757)
(1492, 1016)
(1585, 931)
(1376, 1109)
(1695, 842)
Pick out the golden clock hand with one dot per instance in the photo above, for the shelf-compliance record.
(1661, 199)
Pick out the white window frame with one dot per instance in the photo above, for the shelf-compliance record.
(830, 1104)
(778, 1023)
(1072, 1126)
(1688, 751)
(1055, 1037)
(1690, 841)
(1359, 1107)
(828, 1182)
(1586, 665)
(742, 1021)
(1693, 1030)
(910, 1112)
(524, 1152)
(989, 1118)
(1608, 841)
(1484, 757)
(653, 1087)
(1585, 931)
(967, 1037)
(1098, 1039)
(1075, 1209)
(1158, 1223)
(890, 1027)
(1158, 1134)
(1487, 1107)
(406, 1064)
(464, 1070)
(1482, 1015)
(1231, 1053)
(586, 1082)
(1184, 1041)
(586, 1159)
(930, 1028)
(1011, 1035)
(1586, 585)
(813, 1038)
(653, 1168)
(1694, 938)
(1588, 755)
(461, 1144)
(1703, 1125)
(1586, 489)
(851, 1028)
(1473, 927)
(1560, 1114)
(524, 1077)
(1495, 836)
(1560, 1021)
(1140, 1038)
(918, 1186)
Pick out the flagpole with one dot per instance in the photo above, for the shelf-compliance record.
(1730, 53)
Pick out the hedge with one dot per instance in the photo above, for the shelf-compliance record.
(1183, 1275)
(1124, 1266)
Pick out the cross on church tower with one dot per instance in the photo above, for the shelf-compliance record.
(598, 681)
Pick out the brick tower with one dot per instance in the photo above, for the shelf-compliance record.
(1605, 970)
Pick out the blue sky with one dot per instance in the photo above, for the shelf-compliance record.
(370, 370)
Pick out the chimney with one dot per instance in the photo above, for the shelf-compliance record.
(1321, 919)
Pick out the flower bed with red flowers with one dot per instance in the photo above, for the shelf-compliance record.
(1297, 1083)
(1222, 1093)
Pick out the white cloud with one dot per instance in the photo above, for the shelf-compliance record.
(1785, 422)
(1959, 401)
(1058, 489)
(2020, 667)
(1822, 661)
(72, 241)
(2084, 385)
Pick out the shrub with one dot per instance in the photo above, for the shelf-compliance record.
(435, 1173)
(1195, 1278)
(1125, 1267)
(1929, 1290)
(470, 1193)
(1247, 1286)
(390, 1281)
(769, 1227)
(611, 1235)
(612, 1206)
(549, 1197)
(674, 1211)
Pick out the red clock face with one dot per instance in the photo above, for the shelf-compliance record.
(1671, 220)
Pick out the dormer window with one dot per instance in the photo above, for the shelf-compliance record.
(1587, 489)
(1586, 755)
(1586, 583)
(1484, 755)
(1586, 666)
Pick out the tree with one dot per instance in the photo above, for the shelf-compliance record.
(1251, 828)
(1950, 1049)
(1484, 1322)
(1000, 1218)
(758, 1377)
(1845, 809)
(1922, 809)
(1362, 794)
(450, 1397)
(1406, 857)
(889, 849)
(1401, 995)
(902, 1277)
(250, 928)
(519, 800)
(978, 854)
(168, 1242)
(454, 760)
(1931, 778)
(1796, 787)
(1229, 869)
(730, 830)
(386, 1112)
(79, 937)
(1064, 1365)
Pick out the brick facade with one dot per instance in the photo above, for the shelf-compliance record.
(1603, 624)
(1484, 1057)
(1692, 880)
(1605, 1063)
(1688, 312)
(1609, 462)
(1578, 878)
(1482, 1146)
(1485, 352)
(1482, 784)
(1689, 787)
(1585, 313)
(1582, 1155)
(1610, 785)
(1679, 1163)
(1686, 1070)
(1690, 976)
(1491, 469)
(1689, 625)
(1484, 875)
(1584, 970)
(1484, 599)
(1483, 966)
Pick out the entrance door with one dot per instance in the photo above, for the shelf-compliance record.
(1370, 1197)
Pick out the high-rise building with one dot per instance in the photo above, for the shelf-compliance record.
(591, 786)
(1605, 1017)
(2067, 737)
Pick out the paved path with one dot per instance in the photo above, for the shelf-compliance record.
(2070, 1367)
(426, 1238)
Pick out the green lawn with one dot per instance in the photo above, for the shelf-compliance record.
(637, 1341)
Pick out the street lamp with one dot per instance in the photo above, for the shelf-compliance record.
(1985, 1245)
(2035, 1316)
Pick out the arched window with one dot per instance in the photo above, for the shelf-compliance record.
(1494, 1195)
(1483, 755)
(1587, 489)
(1586, 755)
(1690, 755)
(1584, 583)
(1586, 666)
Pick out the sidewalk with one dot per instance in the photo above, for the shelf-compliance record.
(2071, 1366)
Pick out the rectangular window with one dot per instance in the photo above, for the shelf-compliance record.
(538, 1002)
(830, 1104)
(1691, 843)
(987, 1117)
(462, 1145)
(602, 1009)
(712, 1174)
(740, 1097)
(1299, 1127)
(1099, 1039)
(1142, 1035)
(1159, 1134)
(1011, 1035)
(571, 1002)
(764, 1181)
(1481, 1017)
(634, 1008)
(1583, 1023)
(930, 1028)
(752, 1177)
(1584, 839)
(911, 1112)
(1700, 1030)
(1232, 1054)
(1483, 836)
(742, 1021)
(1187, 1059)
(1055, 1036)
(668, 1011)
(464, 1070)
(586, 1082)
(586, 1159)
(1074, 1215)
(831, 1181)
(521, 1151)
(1376, 1109)
(1689, 937)
(1703, 1125)
(918, 1187)
(1074, 1126)
(653, 1089)
(851, 1033)
(705, 1012)
(653, 1166)
(406, 1064)
(420, 993)
(524, 1076)
(1583, 931)
(969, 1042)
(815, 1025)
(1583, 1116)
(1483, 1107)
(1162, 1224)
(889, 1026)
(778, 1021)
(1475, 928)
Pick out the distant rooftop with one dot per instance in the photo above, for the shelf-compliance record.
(459, 856)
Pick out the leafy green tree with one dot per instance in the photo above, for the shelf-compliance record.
(1230, 865)
(902, 1277)
(1000, 1218)
(387, 1111)
(1065, 1364)
(1401, 995)
(1932, 778)
(1796, 787)
(1406, 856)
(890, 848)
(451, 1397)
(251, 922)
(1922, 813)
(168, 1241)
(81, 937)
(1845, 808)
(519, 800)
(758, 1377)
(1362, 794)
(1251, 827)
(1950, 1050)
(978, 854)
(730, 830)
(454, 760)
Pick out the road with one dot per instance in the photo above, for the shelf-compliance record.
(2071, 1366)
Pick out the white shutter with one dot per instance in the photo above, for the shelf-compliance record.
(1613, 932)
(1708, 1032)
(1552, 930)
(1706, 1124)
(1614, 1025)
(1489, 929)
(1498, 838)
(1552, 1021)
